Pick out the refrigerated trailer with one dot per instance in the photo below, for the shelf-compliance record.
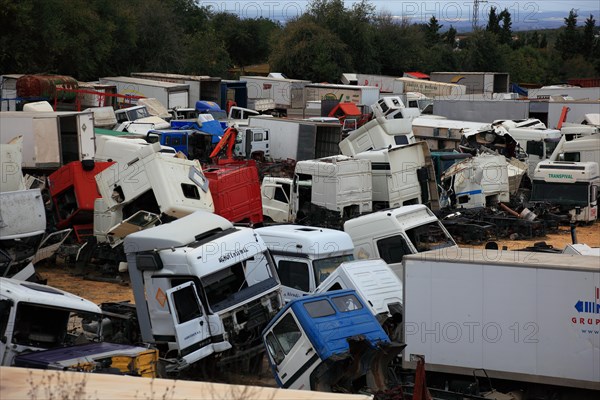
(528, 318)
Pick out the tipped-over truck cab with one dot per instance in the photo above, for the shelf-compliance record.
(202, 286)
(376, 284)
(392, 234)
(328, 340)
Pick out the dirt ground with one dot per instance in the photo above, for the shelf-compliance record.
(100, 292)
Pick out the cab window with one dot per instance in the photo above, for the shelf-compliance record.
(283, 338)
(294, 274)
(347, 303)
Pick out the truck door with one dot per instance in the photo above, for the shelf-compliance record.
(192, 331)
(259, 141)
(276, 200)
(5, 306)
(85, 132)
(290, 352)
(296, 276)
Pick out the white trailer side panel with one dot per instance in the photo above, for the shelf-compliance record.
(481, 110)
(533, 318)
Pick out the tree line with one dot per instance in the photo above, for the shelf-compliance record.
(97, 38)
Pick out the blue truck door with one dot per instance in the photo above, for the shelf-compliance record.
(192, 331)
(291, 353)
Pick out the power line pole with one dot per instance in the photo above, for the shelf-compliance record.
(475, 20)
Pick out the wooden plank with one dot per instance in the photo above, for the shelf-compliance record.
(24, 383)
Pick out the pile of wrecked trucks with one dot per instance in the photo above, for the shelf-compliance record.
(340, 272)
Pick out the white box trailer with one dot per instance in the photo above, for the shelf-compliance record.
(401, 85)
(50, 139)
(359, 95)
(285, 93)
(171, 95)
(476, 82)
(299, 139)
(201, 87)
(521, 316)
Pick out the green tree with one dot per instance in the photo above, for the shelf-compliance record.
(484, 53)
(534, 40)
(432, 29)
(567, 42)
(450, 36)
(493, 24)
(306, 50)
(400, 46)
(505, 34)
(588, 40)
(543, 41)
(206, 54)
(351, 25)
(528, 65)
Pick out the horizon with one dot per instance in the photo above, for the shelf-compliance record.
(525, 15)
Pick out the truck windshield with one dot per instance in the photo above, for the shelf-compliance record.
(138, 113)
(567, 194)
(48, 327)
(326, 266)
(218, 115)
(238, 282)
(551, 146)
(430, 236)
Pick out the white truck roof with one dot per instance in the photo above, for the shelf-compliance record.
(306, 239)
(566, 171)
(44, 295)
(406, 216)
(177, 233)
(327, 165)
(373, 279)
(524, 259)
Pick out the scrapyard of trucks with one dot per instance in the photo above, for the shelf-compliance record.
(206, 289)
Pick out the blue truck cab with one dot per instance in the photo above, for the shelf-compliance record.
(177, 139)
(326, 342)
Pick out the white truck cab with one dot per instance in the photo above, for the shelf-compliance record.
(378, 133)
(392, 107)
(37, 317)
(391, 234)
(336, 187)
(252, 141)
(138, 120)
(573, 186)
(402, 175)
(305, 256)
(202, 286)
(377, 284)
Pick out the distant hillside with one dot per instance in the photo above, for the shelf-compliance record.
(527, 21)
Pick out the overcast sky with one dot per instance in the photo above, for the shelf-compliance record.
(418, 10)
